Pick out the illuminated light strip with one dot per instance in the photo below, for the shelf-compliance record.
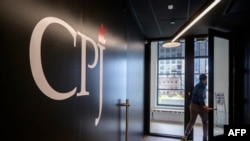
(196, 19)
(171, 44)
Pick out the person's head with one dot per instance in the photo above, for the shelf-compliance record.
(203, 78)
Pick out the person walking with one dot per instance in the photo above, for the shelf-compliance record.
(198, 107)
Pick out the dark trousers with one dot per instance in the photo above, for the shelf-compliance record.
(196, 110)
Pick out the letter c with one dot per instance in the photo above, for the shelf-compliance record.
(35, 58)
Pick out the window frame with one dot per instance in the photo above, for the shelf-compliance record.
(169, 58)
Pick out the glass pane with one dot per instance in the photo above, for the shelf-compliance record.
(203, 65)
(171, 82)
(221, 84)
(200, 65)
(171, 97)
(196, 49)
(171, 90)
(201, 47)
(171, 66)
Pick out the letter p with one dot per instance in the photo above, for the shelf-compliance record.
(243, 131)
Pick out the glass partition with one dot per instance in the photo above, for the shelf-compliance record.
(221, 84)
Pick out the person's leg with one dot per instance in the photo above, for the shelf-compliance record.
(193, 115)
(204, 119)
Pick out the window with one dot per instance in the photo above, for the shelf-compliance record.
(170, 76)
(171, 71)
(200, 59)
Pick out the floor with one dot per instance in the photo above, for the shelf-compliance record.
(154, 138)
(174, 129)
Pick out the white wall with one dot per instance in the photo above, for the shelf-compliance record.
(153, 74)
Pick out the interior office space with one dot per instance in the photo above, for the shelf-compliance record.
(92, 70)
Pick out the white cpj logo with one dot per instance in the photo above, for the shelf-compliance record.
(36, 64)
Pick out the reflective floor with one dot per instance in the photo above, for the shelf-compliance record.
(154, 138)
(173, 128)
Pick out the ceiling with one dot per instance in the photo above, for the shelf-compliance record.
(155, 19)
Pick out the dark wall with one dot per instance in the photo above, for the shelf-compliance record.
(242, 77)
(135, 80)
(29, 113)
(247, 81)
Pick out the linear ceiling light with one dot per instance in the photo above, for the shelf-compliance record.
(212, 5)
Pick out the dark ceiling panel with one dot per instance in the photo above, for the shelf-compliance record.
(168, 28)
(239, 6)
(151, 29)
(154, 18)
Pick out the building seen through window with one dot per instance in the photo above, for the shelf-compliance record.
(171, 71)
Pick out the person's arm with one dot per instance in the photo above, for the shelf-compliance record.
(208, 108)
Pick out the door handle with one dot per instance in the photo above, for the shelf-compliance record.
(126, 105)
